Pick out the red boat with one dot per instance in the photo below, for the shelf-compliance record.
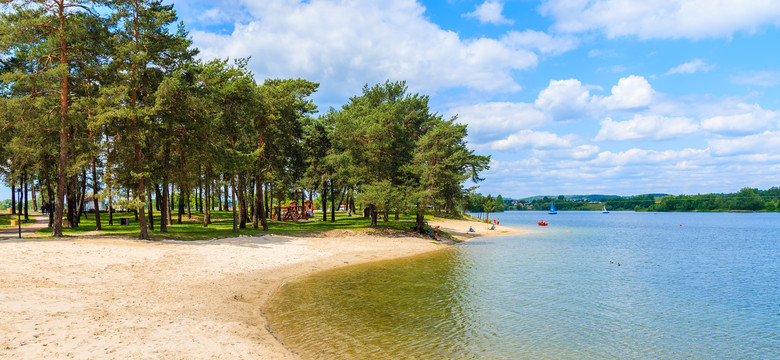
(542, 223)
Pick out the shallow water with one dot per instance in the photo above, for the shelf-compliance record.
(709, 289)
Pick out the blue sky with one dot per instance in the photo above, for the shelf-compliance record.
(568, 96)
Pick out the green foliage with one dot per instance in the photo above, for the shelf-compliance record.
(116, 89)
(747, 199)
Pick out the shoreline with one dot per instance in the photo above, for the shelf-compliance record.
(100, 297)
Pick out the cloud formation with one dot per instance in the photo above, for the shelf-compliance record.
(644, 127)
(757, 78)
(631, 92)
(691, 67)
(585, 120)
(490, 13)
(662, 19)
(744, 119)
(565, 100)
(345, 44)
(643, 138)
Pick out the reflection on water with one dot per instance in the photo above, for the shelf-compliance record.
(362, 311)
(705, 290)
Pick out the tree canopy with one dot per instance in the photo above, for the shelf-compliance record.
(112, 104)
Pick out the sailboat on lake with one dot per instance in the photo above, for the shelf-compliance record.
(604, 210)
(552, 209)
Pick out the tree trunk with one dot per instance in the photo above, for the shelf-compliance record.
(261, 209)
(373, 215)
(343, 198)
(324, 196)
(82, 194)
(181, 204)
(110, 210)
(251, 204)
(164, 210)
(95, 195)
(64, 134)
(420, 218)
(26, 205)
(239, 192)
(169, 203)
(48, 191)
(227, 207)
(255, 205)
(219, 196)
(267, 201)
(233, 197)
(13, 197)
(151, 216)
(280, 201)
(71, 204)
(207, 205)
(144, 235)
(34, 200)
(333, 208)
(158, 200)
(199, 194)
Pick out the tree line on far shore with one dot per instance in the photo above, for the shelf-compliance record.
(747, 199)
(107, 98)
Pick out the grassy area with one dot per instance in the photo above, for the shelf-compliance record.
(5, 220)
(222, 226)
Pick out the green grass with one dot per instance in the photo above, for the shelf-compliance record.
(5, 220)
(222, 226)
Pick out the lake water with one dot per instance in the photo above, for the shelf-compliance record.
(688, 285)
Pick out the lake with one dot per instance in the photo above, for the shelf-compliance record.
(588, 286)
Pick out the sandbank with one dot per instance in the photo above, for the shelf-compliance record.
(115, 298)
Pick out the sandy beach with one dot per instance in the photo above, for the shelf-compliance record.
(115, 298)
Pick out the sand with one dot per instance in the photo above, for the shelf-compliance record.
(115, 298)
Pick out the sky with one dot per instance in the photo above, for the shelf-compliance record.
(567, 96)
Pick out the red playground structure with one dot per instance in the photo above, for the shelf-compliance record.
(293, 212)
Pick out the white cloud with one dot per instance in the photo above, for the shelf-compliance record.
(562, 100)
(643, 127)
(629, 93)
(570, 99)
(490, 12)
(746, 119)
(581, 152)
(691, 67)
(347, 44)
(663, 19)
(543, 42)
(757, 78)
(531, 139)
(643, 157)
(565, 100)
(765, 143)
(490, 121)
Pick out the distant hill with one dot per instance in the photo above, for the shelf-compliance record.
(590, 197)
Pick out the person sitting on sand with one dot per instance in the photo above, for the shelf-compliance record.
(492, 227)
(471, 229)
